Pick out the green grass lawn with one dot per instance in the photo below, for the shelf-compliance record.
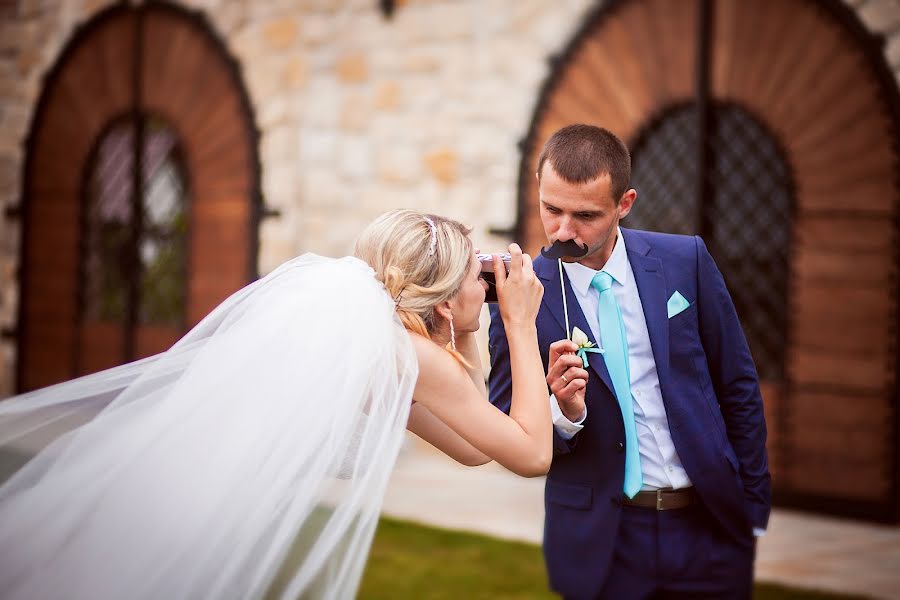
(409, 561)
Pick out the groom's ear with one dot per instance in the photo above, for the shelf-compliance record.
(626, 202)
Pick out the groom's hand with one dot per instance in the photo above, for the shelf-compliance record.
(567, 378)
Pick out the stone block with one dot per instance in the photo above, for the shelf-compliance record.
(375, 199)
(11, 37)
(429, 196)
(327, 7)
(526, 16)
(329, 232)
(265, 78)
(10, 174)
(355, 157)
(321, 109)
(89, 8)
(480, 145)
(364, 29)
(880, 15)
(10, 240)
(247, 45)
(295, 73)
(892, 51)
(442, 164)
(279, 184)
(499, 208)
(274, 251)
(317, 29)
(552, 29)
(28, 60)
(352, 68)
(517, 59)
(318, 146)
(7, 369)
(277, 144)
(464, 199)
(495, 17)
(10, 83)
(356, 112)
(422, 59)
(14, 119)
(275, 111)
(281, 33)
(386, 61)
(321, 187)
(424, 94)
(410, 127)
(387, 95)
(436, 22)
(398, 163)
(227, 17)
(270, 9)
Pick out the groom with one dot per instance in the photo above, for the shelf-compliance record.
(660, 480)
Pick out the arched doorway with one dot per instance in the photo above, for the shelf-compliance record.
(140, 194)
(781, 150)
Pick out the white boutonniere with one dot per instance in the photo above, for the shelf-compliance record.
(585, 345)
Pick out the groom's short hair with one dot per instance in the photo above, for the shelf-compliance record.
(582, 153)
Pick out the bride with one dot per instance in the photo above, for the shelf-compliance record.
(250, 460)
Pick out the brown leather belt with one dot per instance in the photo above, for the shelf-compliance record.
(664, 499)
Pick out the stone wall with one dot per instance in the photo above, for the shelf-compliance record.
(357, 113)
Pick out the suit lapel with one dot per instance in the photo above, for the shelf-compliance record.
(651, 284)
(548, 272)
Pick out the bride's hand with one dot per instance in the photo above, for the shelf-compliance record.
(519, 292)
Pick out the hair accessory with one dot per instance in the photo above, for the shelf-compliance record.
(433, 228)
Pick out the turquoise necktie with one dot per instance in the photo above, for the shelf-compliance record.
(615, 344)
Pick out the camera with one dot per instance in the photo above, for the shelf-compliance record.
(487, 273)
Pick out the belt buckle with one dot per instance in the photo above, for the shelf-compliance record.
(659, 499)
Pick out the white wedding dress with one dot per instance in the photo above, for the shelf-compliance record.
(250, 460)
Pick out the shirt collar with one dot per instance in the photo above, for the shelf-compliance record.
(581, 276)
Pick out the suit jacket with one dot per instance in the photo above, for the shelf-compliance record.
(709, 388)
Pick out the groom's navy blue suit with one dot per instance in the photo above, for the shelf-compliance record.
(711, 395)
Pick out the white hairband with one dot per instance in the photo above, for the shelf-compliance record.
(433, 228)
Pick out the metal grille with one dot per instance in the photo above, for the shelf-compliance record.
(136, 240)
(163, 242)
(748, 215)
(751, 215)
(664, 173)
(106, 263)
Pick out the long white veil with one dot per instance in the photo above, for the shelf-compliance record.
(249, 460)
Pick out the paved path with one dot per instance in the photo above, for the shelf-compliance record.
(799, 549)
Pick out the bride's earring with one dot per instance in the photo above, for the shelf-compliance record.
(452, 334)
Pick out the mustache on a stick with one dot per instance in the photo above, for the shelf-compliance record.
(568, 249)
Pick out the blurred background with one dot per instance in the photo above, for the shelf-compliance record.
(156, 156)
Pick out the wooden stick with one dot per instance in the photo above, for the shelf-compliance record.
(562, 284)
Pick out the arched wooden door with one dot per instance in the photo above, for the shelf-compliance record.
(140, 199)
(771, 128)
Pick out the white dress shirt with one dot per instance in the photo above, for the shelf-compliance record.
(660, 464)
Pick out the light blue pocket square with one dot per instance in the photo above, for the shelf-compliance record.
(676, 304)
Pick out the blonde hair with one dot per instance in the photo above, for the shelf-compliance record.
(420, 263)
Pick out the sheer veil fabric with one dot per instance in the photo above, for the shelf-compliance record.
(250, 460)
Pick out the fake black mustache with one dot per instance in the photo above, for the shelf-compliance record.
(568, 249)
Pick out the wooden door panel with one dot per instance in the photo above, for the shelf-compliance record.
(186, 80)
(828, 98)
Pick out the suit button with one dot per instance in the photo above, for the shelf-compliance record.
(620, 447)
